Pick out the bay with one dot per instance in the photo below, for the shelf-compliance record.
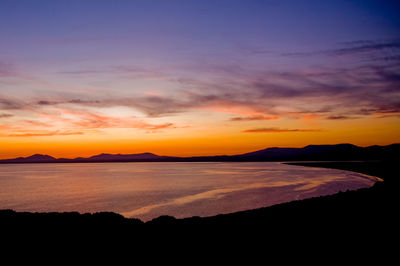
(147, 190)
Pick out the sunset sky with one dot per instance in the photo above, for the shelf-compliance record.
(78, 78)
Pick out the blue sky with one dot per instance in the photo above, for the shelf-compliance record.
(175, 29)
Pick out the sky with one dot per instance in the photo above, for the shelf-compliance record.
(183, 78)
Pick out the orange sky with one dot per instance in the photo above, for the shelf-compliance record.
(189, 141)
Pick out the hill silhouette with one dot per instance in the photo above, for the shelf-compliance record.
(338, 152)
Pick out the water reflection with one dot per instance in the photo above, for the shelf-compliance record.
(148, 190)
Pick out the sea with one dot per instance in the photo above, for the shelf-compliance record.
(147, 190)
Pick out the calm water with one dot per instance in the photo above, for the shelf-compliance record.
(148, 190)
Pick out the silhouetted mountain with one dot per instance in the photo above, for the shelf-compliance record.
(139, 156)
(32, 158)
(341, 152)
(338, 152)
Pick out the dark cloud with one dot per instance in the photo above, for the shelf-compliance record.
(357, 91)
(340, 117)
(365, 46)
(155, 106)
(316, 91)
(278, 130)
(79, 101)
(46, 102)
(299, 54)
(6, 115)
(357, 43)
(374, 50)
(73, 101)
(126, 71)
(387, 58)
(11, 104)
(253, 118)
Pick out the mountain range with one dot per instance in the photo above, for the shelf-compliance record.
(338, 152)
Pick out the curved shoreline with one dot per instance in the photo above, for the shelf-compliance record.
(365, 169)
(324, 165)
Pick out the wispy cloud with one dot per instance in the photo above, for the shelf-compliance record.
(373, 48)
(278, 130)
(126, 71)
(365, 46)
(74, 122)
(254, 117)
(357, 91)
(46, 133)
(330, 92)
(248, 94)
(340, 117)
(6, 115)
(7, 103)
(73, 101)
(84, 119)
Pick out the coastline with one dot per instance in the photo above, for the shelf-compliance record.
(326, 165)
(366, 212)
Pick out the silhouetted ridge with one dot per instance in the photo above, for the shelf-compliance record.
(338, 152)
(105, 156)
(39, 157)
(33, 158)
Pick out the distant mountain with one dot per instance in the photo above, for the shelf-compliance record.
(342, 152)
(338, 152)
(33, 158)
(139, 156)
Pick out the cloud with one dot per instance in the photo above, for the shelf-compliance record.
(245, 93)
(365, 46)
(340, 117)
(43, 102)
(34, 123)
(160, 126)
(6, 115)
(73, 121)
(356, 48)
(46, 133)
(73, 101)
(256, 95)
(264, 95)
(7, 103)
(128, 72)
(254, 117)
(278, 130)
(11, 74)
(85, 119)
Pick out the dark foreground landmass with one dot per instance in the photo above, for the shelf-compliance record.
(363, 217)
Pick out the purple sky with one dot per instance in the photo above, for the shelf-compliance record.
(87, 67)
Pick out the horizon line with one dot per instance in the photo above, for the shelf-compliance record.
(193, 156)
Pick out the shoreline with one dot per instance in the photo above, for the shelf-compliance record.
(265, 201)
(325, 165)
(340, 215)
